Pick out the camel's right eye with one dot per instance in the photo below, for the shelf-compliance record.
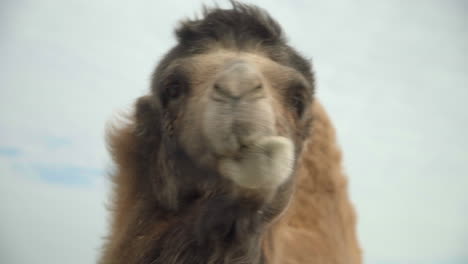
(172, 91)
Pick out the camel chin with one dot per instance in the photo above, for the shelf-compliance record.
(264, 164)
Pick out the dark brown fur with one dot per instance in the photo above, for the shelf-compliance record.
(167, 209)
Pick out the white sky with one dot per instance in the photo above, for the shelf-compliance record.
(393, 75)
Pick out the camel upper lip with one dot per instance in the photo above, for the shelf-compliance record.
(244, 145)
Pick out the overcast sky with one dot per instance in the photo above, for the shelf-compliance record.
(393, 75)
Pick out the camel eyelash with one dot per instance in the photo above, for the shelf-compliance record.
(173, 88)
(297, 98)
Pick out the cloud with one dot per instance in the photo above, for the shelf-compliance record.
(9, 151)
(69, 176)
(48, 158)
(49, 223)
(57, 142)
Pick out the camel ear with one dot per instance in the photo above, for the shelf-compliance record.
(153, 153)
(131, 140)
(147, 120)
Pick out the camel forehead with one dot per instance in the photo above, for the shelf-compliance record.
(204, 66)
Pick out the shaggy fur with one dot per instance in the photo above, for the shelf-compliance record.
(211, 172)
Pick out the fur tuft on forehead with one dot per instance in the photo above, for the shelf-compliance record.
(238, 27)
(242, 28)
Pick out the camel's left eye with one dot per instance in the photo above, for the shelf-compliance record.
(297, 97)
(174, 91)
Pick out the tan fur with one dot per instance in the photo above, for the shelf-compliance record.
(320, 224)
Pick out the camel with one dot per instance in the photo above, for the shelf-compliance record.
(229, 159)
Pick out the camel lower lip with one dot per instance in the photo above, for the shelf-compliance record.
(235, 146)
(235, 155)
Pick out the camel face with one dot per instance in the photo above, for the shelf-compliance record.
(237, 113)
(221, 162)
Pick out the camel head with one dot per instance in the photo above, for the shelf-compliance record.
(229, 102)
(211, 157)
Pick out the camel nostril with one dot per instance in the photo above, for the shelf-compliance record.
(257, 88)
(221, 93)
(235, 91)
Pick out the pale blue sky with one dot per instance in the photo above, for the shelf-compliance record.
(393, 75)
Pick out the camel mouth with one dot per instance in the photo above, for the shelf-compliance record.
(235, 145)
(246, 145)
(229, 133)
(265, 163)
